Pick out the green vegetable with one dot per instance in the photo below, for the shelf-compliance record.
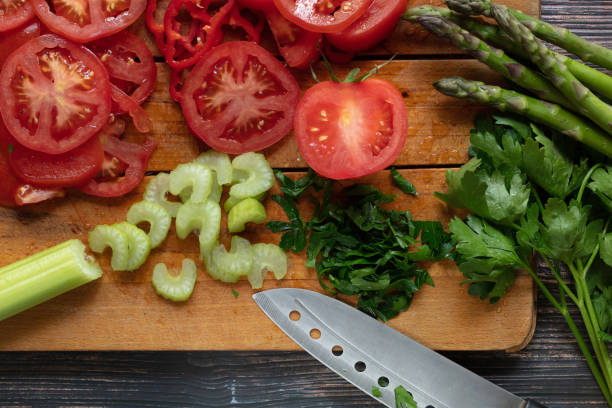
(545, 113)
(177, 288)
(219, 162)
(104, 236)
(157, 217)
(259, 176)
(235, 293)
(402, 183)
(205, 217)
(139, 245)
(247, 210)
(232, 201)
(376, 391)
(196, 176)
(157, 191)
(559, 210)
(358, 247)
(230, 266)
(267, 257)
(40, 277)
(404, 399)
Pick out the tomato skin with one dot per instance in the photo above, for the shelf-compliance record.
(349, 130)
(263, 5)
(239, 98)
(13, 39)
(376, 24)
(11, 18)
(304, 14)
(74, 63)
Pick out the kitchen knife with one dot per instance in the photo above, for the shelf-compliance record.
(370, 354)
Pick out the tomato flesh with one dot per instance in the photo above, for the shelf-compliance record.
(349, 130)
(263, 5)
(15, 38)
(55, 95)
(239, 98)
(14, 13)
(322, 16)
(376, 24)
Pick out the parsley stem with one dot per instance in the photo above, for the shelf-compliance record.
(585, 181)
(555, 270)
(537, 197)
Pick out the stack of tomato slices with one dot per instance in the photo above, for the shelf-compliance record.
(68, 71)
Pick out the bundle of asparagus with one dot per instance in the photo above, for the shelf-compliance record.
(568, 92)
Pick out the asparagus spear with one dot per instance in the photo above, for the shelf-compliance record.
(539, 111)
(495, 59)
(586, 50)
(495, 36)
(582, 97)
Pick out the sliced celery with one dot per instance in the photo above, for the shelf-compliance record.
(139, 245)
(155, 215)
(177, 288)
(267, 257)
(260, 176)
(219, 162)
(40, 277)
(232, 201)
(215, 192)
(230, 266)
(157, 191)
(196, 176)
(108, 236)
(247, 210)
(205, 217)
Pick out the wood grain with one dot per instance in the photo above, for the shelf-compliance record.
(123, 309)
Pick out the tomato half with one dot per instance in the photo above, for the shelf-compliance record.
(376, 24)
(14, 13)
(58, 170)
(297, 46)
(239, 98)
(349, 130)
(54, 94)
(87, 20)
(15, 38)
(322, 16)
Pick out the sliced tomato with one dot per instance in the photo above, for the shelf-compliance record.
(263, 5)
(156, 9)
(376, 24)
(14, 13)
(134, 159)
(297, 46)
(15, 38)
(58, 170)
(87, 20)
(249, 21)
(177, 79)
(54, 94)
(126, 103)
(349, 130)
(239, 98)
(322, 16)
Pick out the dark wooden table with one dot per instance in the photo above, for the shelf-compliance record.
(551, 369)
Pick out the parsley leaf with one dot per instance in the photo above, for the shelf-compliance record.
(406, 186)
(376, 391)
(602, 185)
(404, 399)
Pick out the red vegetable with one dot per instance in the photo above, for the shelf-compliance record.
(14, 13)
(322, 16)
(15, 38)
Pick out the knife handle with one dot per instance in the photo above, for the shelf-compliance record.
(534, 404)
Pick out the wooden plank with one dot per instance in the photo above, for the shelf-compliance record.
(122, 312)
(438, 132)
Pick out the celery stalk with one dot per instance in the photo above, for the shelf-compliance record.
(40, 277)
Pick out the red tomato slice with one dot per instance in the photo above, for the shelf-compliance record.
(135, 157)
(263, 5)
(252, 23)
(11, 40)
(58, 170)
(87, 20)
(239, 98)
(54, 94)
(349, 130)
(297, 46)
(376, 24)
(322, 16)
(14, 13)
(126, 103)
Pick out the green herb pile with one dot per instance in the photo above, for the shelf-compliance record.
(529, 193)
(357, 246)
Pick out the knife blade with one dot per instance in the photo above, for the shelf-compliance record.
(368, 354)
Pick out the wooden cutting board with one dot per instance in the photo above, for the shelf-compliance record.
(121, 310)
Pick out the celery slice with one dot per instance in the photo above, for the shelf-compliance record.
(139, 245)
(177, 288)
(196, 176)
(155, 215)
(230, 266)
(232, 201)
(205, 217)
(40, 277)
(247, 210)
(157, 191)
(215, 192)
(108, 236)
(219, 162)
(260, 176)
(267, 257)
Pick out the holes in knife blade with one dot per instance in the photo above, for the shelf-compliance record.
(295, 315)
(315, 334)
(360, 366)
(383, 381)
(337, 351)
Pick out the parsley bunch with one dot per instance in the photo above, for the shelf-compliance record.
(357, 246)
(531, 190)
